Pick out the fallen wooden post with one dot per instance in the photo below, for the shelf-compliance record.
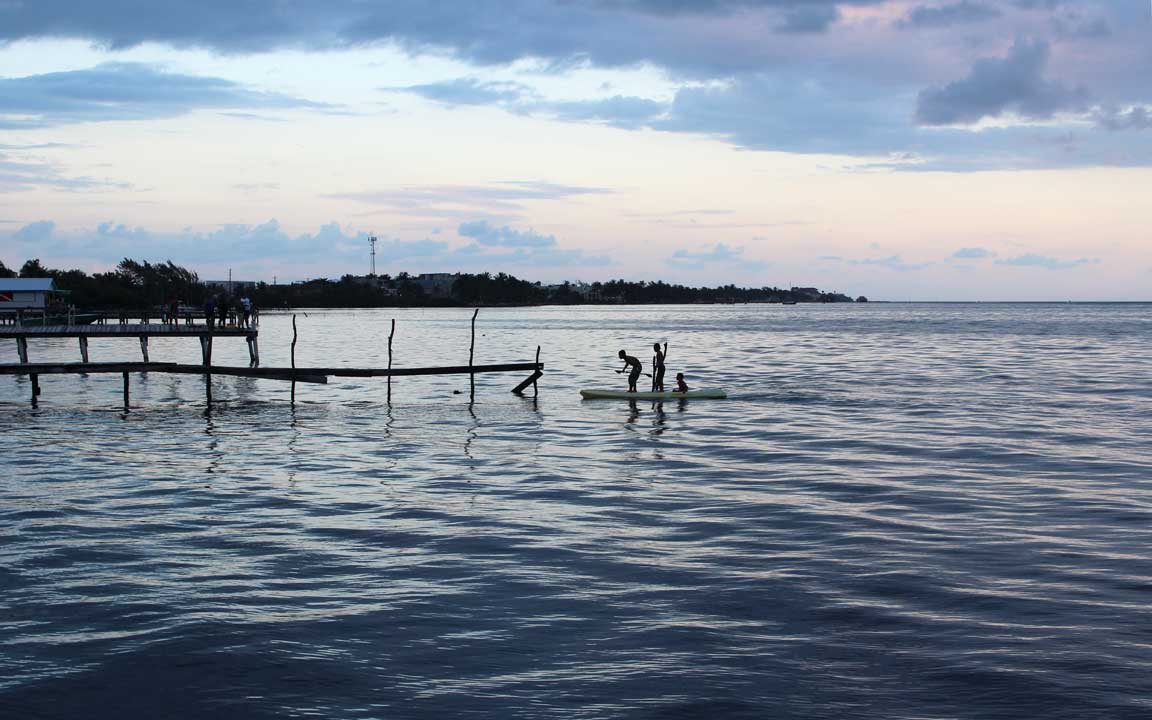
(531, 380)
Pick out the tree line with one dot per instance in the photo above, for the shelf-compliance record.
(133, 284)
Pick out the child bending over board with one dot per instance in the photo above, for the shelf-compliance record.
(634, 373)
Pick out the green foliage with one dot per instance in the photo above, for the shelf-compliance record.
(5, 272)
(135, 284)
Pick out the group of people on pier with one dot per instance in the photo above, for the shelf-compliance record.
(241, 311)
(634, 368)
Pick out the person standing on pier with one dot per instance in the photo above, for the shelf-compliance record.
(246, 311)
(635, 368)
(222, 311)
(210, 311)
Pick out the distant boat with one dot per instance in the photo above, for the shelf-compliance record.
(788, 302)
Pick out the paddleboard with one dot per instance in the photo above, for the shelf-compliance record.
(605, 394)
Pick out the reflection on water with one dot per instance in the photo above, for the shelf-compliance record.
(903, 511)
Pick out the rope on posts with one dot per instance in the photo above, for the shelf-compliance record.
(293, 356)
(471, 355)
(390, 334)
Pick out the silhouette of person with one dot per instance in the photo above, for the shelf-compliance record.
(634, 373)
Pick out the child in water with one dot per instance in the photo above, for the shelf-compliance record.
(681, 386)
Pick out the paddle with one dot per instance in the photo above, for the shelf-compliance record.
(621, 372)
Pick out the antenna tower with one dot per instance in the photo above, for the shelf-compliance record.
(372, 241)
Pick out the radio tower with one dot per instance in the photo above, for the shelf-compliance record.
(372, 241)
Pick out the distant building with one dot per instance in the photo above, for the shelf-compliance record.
(26, 293)
(436, 285)
(376, 282)
(229, 285)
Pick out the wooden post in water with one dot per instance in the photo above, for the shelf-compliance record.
(471, 355)
(144, 347)
(293, 357)
(390, 334)
(125, 391)
(83, 349)
(22, 349)
(535, 388)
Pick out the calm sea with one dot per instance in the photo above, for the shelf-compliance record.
(903, 511)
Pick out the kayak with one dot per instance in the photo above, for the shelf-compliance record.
(603, 394)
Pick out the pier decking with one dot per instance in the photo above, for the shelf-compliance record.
(142, 331)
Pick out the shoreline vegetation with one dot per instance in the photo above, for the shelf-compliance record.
(134, 284)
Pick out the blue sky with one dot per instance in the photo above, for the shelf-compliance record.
(920, 149)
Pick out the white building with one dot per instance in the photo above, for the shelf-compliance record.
(26, 293)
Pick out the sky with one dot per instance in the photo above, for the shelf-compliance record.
(898, 149)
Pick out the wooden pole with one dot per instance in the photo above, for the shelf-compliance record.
(125, 391)
(84, 348)
(471, 355)
(535, 387)
(293, 357)
(390, 334)
(144, 347)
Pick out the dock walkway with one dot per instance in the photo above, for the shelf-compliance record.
(142, 331)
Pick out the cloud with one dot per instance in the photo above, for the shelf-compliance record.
(470, 91)
(20, 172)
(999, 85)
(1048, 263)
(942, 16)
(1134, 118)
(809, 19)
(36, 232)
(973, 253)
(485, 234)
(892, 262)
(124, 91)
(496, 199)
(718, 254)
(266, 248)
(496, 247)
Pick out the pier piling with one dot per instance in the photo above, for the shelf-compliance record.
(390, 334)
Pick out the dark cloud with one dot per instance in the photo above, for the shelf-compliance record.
(995, 86)
(809, 19)
(1134, 118)
(956, 13)
(123, 91)
(603, 32)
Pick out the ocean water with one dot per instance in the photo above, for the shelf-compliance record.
(903, 511)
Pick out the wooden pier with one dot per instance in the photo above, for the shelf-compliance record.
(206, 334)
(143, 332)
